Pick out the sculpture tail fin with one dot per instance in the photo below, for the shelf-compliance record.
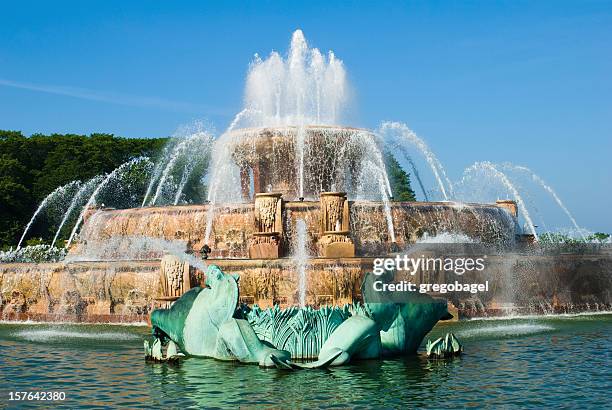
(319, 364)
(322, 363)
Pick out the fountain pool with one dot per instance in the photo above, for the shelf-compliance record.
(101, 365)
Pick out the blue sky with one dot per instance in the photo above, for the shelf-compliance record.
(526, 82)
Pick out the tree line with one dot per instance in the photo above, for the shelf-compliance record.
(32, 167)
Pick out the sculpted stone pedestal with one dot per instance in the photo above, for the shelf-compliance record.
(265, 245)
(265, 242)
(335, 241)
(175, 278)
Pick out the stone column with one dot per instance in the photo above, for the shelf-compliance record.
(265, 243)
(335, 241)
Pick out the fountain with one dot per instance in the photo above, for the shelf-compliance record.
(294, 204)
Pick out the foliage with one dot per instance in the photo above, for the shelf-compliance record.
(599, 237)
(32, 167)
(559, 238)
(399, 180)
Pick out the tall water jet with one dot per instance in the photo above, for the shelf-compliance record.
(114, 174)
(551, 191)
(306, 87)
(300, 255)
(74, 203)
(58, 192)
(396, 133)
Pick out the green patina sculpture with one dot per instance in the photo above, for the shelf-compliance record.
(442, 348)
(208, 322)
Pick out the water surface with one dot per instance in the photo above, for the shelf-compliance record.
(540, 362)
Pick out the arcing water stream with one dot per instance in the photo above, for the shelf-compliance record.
(114, 174)
(86, 187)
(551, 191)
(58, 192)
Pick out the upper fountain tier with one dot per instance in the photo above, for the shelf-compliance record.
(271, 146)
(301, 161)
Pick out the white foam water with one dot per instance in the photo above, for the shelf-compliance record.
(505, 330)
(58, 335)
(306, 87)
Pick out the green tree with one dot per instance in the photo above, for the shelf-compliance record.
(399, 180)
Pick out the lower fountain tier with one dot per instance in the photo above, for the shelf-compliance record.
(127, 291)
(109, 233)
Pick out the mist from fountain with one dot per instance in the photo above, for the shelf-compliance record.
(325, 158)
(86, 187)
(300, 255)
(114, 174)
(134, 247)
(57, 193)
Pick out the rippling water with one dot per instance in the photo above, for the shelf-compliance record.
(537, 362)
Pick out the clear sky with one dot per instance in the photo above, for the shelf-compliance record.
(527, 82)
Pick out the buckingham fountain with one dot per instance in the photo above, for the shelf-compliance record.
(271, 266)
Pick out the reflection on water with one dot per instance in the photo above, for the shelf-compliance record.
(527, 362)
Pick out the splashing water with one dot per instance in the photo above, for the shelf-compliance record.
(134, 247)
(548, 189)
(300, 154)
(55, 335)
(58, 192)
(74, 203)
(446, 237)
(174, 156)
(192, 148)
(505, 330)
(300, 254)
(503, 178)
(114, 174)
(397, 134)
(306, 87)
